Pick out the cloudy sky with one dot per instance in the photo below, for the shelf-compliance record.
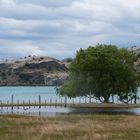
(58, 28)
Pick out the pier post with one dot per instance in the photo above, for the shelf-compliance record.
(73, 101)
(39, 101)
(79, 100)
(135, 99)
(1, 105)
(23, 104)
(35, 104)
(12, 101)
(96, 101)
(65, 105)
(45, 103)
(61, 102)
(29, 104)
(50, 102)
(7, 104)
(85, 100)
(56, 103)
(90, 98)
(17, 104)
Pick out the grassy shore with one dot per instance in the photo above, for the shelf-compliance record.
(70, 127)
(105, 105)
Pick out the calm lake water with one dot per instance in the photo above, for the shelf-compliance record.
(32, 94)
(47, 93)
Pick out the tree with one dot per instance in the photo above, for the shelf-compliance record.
(102, 71)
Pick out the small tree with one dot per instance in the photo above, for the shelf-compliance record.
(101, 72)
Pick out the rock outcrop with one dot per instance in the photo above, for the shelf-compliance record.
(136, 51)
(33, 71)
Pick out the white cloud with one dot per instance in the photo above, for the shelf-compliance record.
(20, 49)
(59, 28)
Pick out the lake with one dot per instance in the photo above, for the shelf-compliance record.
(47, 93)
(32, 93)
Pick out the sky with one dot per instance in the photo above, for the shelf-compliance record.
(58, 28)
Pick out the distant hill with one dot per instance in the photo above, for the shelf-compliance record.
(136, 51)
(41, 71)
(33, 71)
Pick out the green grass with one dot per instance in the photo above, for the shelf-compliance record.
(70, 127)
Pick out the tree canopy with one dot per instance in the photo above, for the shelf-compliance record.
(102, 71)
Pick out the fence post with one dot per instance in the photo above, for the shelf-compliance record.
(17, 104)
(29, 104)
(56, 103)
(23, 105)
(90, 98)
(35, 104)
(12, 100)
(61, 102)
(85, 100)
(50, 102)
(39, 101)
(79, 100)
(73, 101)
(135, 99)
(65, 105)
(7, 104)
(1, 105)
(45, 103)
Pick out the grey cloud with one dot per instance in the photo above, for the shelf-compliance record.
(59, 27)
(47, 3)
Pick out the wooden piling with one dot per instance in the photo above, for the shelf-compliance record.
(56, 103)
(45, 103)
(1, 105)
(96, 101)
(73, 101)
(89, 98)
(7, 104)
(85, 100)
(23, 104)
(29, 104)
(61, 102)
(79, 100)
(12, 101)
(35, 104)
(135, 99)
(65, 105)
(50, 102)
(17, 104)
(39, 101)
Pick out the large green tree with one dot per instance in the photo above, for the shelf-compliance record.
(102, 71)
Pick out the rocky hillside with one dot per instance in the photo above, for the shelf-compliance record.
(136, 51)
(33, 71)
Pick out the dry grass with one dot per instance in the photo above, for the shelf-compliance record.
(70, 127)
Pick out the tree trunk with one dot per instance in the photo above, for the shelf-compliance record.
(112, 98)
(106, 99)
(135, 99)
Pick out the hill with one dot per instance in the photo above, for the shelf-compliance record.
(33, 71)
(41, 71)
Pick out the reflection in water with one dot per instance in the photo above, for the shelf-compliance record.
(54, 111)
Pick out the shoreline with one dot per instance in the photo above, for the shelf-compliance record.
(105, 105)
(76, 105)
